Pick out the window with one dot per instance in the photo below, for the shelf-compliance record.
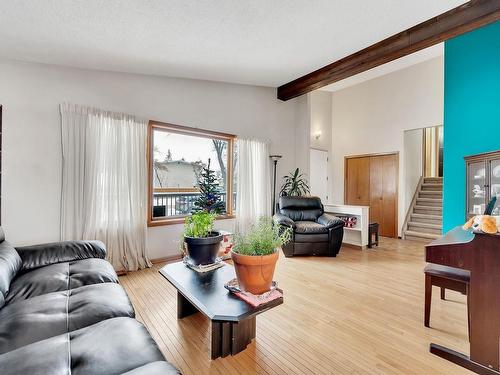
(177, 156)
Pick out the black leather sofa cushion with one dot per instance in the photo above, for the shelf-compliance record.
(111, 347)
(60, 277)
(300, 203)
(57, 252)
(10, 264)
(312, 238)
(301, 208)
(154, 368)
(309, 227)
(52, 314)
(330, 221)
(302, 215)
(284, 220)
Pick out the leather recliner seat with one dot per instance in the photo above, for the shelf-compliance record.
(63, 311)
(314, 231)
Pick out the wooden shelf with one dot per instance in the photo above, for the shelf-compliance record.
(357, 236)
(355, 228)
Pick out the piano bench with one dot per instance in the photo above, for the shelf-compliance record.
(446, 278)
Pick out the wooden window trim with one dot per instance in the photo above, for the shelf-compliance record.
(172, 128)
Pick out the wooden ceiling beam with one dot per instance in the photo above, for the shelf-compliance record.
(459, 20)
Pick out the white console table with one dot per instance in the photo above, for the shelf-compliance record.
(357, 236)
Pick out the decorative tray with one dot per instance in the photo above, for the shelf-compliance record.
(202, 268)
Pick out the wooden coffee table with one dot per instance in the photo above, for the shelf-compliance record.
(233, 321)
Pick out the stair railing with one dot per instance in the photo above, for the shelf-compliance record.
(411, 206)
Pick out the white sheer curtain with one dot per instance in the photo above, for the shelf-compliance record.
(104, 182)
(253, 184)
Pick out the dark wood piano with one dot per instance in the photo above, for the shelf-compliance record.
(480, 254)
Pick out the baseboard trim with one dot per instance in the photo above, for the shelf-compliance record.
(353, 246)
(169, 259)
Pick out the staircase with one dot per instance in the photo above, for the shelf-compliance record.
(424, 220)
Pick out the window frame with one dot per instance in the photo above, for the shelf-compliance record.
(202, 133)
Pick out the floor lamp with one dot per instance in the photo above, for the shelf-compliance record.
(275, 159)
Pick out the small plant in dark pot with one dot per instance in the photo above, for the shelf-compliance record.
(202, 242)
(255, 255)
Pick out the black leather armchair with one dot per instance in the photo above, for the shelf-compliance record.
(314, 231)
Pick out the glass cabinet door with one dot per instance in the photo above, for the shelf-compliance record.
(476, 194)
(495, 183)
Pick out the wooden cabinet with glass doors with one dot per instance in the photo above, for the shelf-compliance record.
(483, 182)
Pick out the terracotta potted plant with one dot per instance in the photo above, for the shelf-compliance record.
(255, 254)
(202, 242)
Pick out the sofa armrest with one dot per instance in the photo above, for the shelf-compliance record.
(284, 220)
(42, 255)
(330, 221)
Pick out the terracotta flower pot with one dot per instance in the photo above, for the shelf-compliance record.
(255, 272)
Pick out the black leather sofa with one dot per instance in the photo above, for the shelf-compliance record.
(62, 311)
(314, 231)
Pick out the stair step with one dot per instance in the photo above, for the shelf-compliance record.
(437, 187)
(429, 202)
(419, 236)
(427, 210)
(425, 228)
(435, 194)
(438, 180)
(423, 218)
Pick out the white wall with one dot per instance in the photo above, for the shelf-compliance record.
(370, 117)
(321, 124)
(302, 134)
(413, 168)
(31, 93)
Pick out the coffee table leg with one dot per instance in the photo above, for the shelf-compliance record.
(231, 337)
(242, 335)
(184, 307)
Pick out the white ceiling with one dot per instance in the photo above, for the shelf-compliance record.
(401, 63)
(258, 42)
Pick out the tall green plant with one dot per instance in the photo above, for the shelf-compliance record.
(262, 238)
(294, 184)
(199, 225)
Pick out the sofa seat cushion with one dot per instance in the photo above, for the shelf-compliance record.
(10, 264)
(154, 368)
(52, 314)
(309, 227)
(60, 277)
(113, 346)
(311, 237)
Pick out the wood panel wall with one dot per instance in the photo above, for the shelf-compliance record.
(372, 180)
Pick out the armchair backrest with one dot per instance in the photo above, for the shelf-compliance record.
(301, 208)
(10, 264)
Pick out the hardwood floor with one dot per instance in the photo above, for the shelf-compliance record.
(359, 313)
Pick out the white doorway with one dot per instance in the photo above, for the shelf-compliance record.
(318, 174)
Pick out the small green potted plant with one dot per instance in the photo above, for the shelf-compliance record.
(202, 242)
(255, 254)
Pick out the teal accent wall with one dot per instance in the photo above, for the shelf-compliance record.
(471, 110)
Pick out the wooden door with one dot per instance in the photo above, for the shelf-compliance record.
(372, 180)
(376, 191)
(357, 181)
(389, 194)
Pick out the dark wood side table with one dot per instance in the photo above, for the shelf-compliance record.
(372, 232)
(233, 321)
(480, 255)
